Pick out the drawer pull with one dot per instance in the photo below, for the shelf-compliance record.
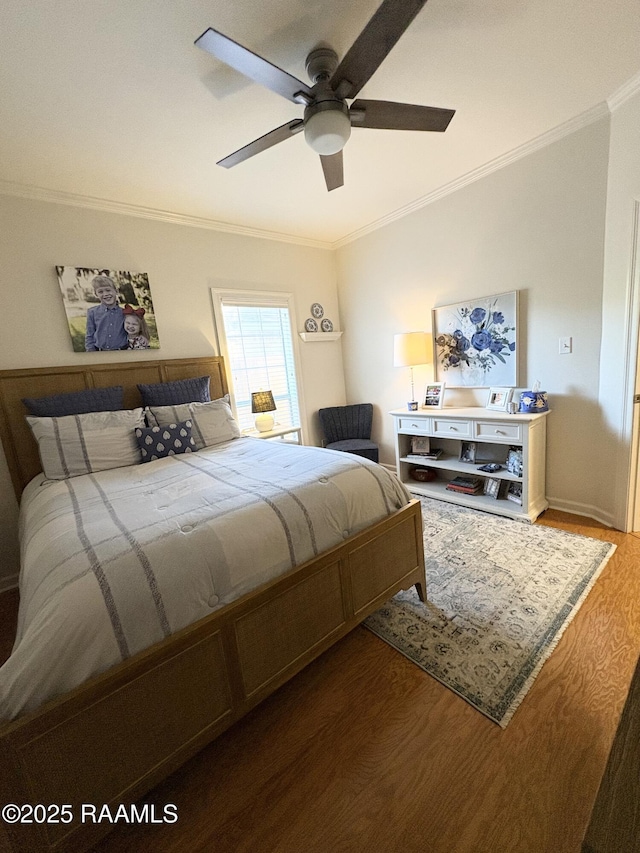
(500, 432)
(455, 429)
(417, 426)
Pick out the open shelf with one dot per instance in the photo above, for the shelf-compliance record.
(438, 490)
(485, 436)
(311, 337)
(456, 466)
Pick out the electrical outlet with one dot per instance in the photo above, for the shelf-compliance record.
(564, 345)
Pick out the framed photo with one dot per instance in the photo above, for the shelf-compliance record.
(420, 445)
(514, 493)
(514, 462)
(433, 395)
(499, 399)
(468, 451)
(108, 309)
(476, 342)
(492, 487)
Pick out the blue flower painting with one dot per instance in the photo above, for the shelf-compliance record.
(476, 342)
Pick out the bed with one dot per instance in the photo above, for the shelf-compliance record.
(127, 720)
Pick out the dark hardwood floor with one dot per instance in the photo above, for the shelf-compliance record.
(363, 751)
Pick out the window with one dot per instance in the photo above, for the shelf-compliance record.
(256, 340)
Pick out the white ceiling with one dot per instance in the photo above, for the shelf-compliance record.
(109, 99)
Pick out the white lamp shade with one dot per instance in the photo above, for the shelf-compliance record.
(411, 348)
(327, 131)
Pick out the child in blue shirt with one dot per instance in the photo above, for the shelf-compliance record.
(105, 322)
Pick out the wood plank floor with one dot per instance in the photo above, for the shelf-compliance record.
(363, 751)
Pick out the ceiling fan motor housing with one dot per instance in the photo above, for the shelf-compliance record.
(327, 125)
(321, 63)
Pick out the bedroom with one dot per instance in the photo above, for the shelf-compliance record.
(555, 222)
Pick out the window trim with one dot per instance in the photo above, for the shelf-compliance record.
(264, 299)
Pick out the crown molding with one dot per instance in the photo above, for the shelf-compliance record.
(628, 90)
(584, 119)
(12, 188)
(548, 138)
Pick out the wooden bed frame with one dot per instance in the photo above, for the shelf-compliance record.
(118, 735)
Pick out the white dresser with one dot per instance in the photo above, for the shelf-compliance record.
(489, 436)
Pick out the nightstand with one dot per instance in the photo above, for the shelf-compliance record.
(279, 433)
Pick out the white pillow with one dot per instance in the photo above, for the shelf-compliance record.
(213, 422)
(80, 444)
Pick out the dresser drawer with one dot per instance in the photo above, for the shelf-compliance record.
(415, 426)
(499, 431)
(447, 428)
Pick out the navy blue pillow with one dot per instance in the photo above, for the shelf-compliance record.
(175, 393)
(76, 402)
(161, 441)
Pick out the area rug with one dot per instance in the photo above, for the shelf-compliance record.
(500, 595)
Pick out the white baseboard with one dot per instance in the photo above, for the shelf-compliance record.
(587, 510)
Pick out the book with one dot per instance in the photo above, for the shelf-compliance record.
(436, 453)
(465, 481)
(476, 490)
(465, 485)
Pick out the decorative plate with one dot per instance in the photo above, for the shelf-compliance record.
(326, 325)
(317, 311)
(310, 325)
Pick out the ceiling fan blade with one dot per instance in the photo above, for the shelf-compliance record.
(262, 143)
(392, 116)
(373, 44)
(254, 66)
(332, 167)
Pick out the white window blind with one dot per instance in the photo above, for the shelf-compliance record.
(258, 346)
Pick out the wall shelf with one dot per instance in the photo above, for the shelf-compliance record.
(308, 337)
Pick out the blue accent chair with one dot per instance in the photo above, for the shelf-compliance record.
(348, 428)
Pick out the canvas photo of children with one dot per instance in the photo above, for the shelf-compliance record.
(108, 309)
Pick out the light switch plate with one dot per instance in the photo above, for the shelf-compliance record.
(564, 345)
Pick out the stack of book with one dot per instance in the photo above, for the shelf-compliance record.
(466, 485)
(436, 453)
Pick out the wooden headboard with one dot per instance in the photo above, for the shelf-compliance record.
(19, 445)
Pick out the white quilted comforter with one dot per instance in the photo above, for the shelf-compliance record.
(115, 561)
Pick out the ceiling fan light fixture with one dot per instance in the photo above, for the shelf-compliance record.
(327, 131)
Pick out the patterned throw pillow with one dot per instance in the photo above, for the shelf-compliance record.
(159, 442)
(213, 422)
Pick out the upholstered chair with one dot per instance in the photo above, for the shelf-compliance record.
(348, 428)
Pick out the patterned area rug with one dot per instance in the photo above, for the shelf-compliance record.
(500, 594)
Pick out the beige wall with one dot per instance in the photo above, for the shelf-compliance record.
(536, 226)
(183, 263)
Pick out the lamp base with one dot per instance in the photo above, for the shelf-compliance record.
(264, 422)
(413, 406)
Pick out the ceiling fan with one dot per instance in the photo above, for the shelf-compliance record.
(327, 117)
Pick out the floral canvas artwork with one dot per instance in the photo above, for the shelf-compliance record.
(475, 342)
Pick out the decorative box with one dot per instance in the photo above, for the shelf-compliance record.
(423, 475)
(534, 402)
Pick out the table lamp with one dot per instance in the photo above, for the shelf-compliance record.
(409, 350)
(262, 404)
